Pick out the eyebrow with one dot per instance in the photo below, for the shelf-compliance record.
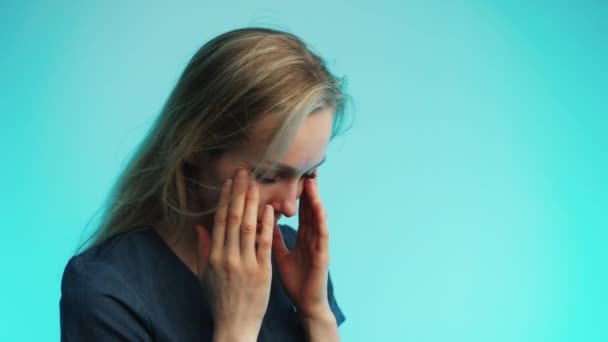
(289, 170)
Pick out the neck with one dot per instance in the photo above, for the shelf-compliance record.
(183, 242)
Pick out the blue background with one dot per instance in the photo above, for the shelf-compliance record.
(468, 202)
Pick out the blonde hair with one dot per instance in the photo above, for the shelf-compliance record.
(232, 83)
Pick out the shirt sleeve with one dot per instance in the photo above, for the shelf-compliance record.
(289, 235)
(333, 304)
(96, 305)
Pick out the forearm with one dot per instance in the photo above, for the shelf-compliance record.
(322, 328)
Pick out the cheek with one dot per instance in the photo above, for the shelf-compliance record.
(275, 193)
(265, 198)
(208, 198)
(300, 188)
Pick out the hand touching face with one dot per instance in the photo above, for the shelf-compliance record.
(304, 270)
(234, 271)
(282, 185)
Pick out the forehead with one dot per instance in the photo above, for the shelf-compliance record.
(308, 146)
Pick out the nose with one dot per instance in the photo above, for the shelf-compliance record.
(285, 198)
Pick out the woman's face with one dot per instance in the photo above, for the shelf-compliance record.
(282, 186)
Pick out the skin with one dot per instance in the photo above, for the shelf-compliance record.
(230, 251)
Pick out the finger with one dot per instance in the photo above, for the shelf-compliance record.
(279, 248)
(304, 209)
(219, 225)
(313, 192)
(306, 214)
(250, 220)
(266, 242)
(320, 217)
(235, 213)
(203, 246)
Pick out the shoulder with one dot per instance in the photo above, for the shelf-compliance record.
(97, 303)
(100, 295)
(87, 284)
(94, 272)
(119, 260)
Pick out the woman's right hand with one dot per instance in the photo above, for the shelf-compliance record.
(234, 273)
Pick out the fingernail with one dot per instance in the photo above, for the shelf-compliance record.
(251, 184)
(269, 211)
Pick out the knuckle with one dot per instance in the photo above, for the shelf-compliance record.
(234, 218)
(324, 233)
(214, 259)
(230, 264)
(321, 210)
(265, 244)
(220, 220)
(248, 227)
(321, 259)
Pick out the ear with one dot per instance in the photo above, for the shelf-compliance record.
(192, 159)
(191, 166)
(193, 162)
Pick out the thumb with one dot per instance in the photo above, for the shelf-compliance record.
(279, 249)
(203, 244)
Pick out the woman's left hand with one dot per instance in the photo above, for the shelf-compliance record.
(304, 270)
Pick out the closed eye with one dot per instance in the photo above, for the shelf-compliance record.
(275, 179)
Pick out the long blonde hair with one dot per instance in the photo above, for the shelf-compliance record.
(229, 85)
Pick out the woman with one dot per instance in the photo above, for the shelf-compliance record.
(189, 248)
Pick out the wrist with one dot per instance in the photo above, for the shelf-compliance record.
(225, 333)
(321, 327)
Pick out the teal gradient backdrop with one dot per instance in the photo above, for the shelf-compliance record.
(467, 203)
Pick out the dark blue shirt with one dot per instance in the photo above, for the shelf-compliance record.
(133, 287)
